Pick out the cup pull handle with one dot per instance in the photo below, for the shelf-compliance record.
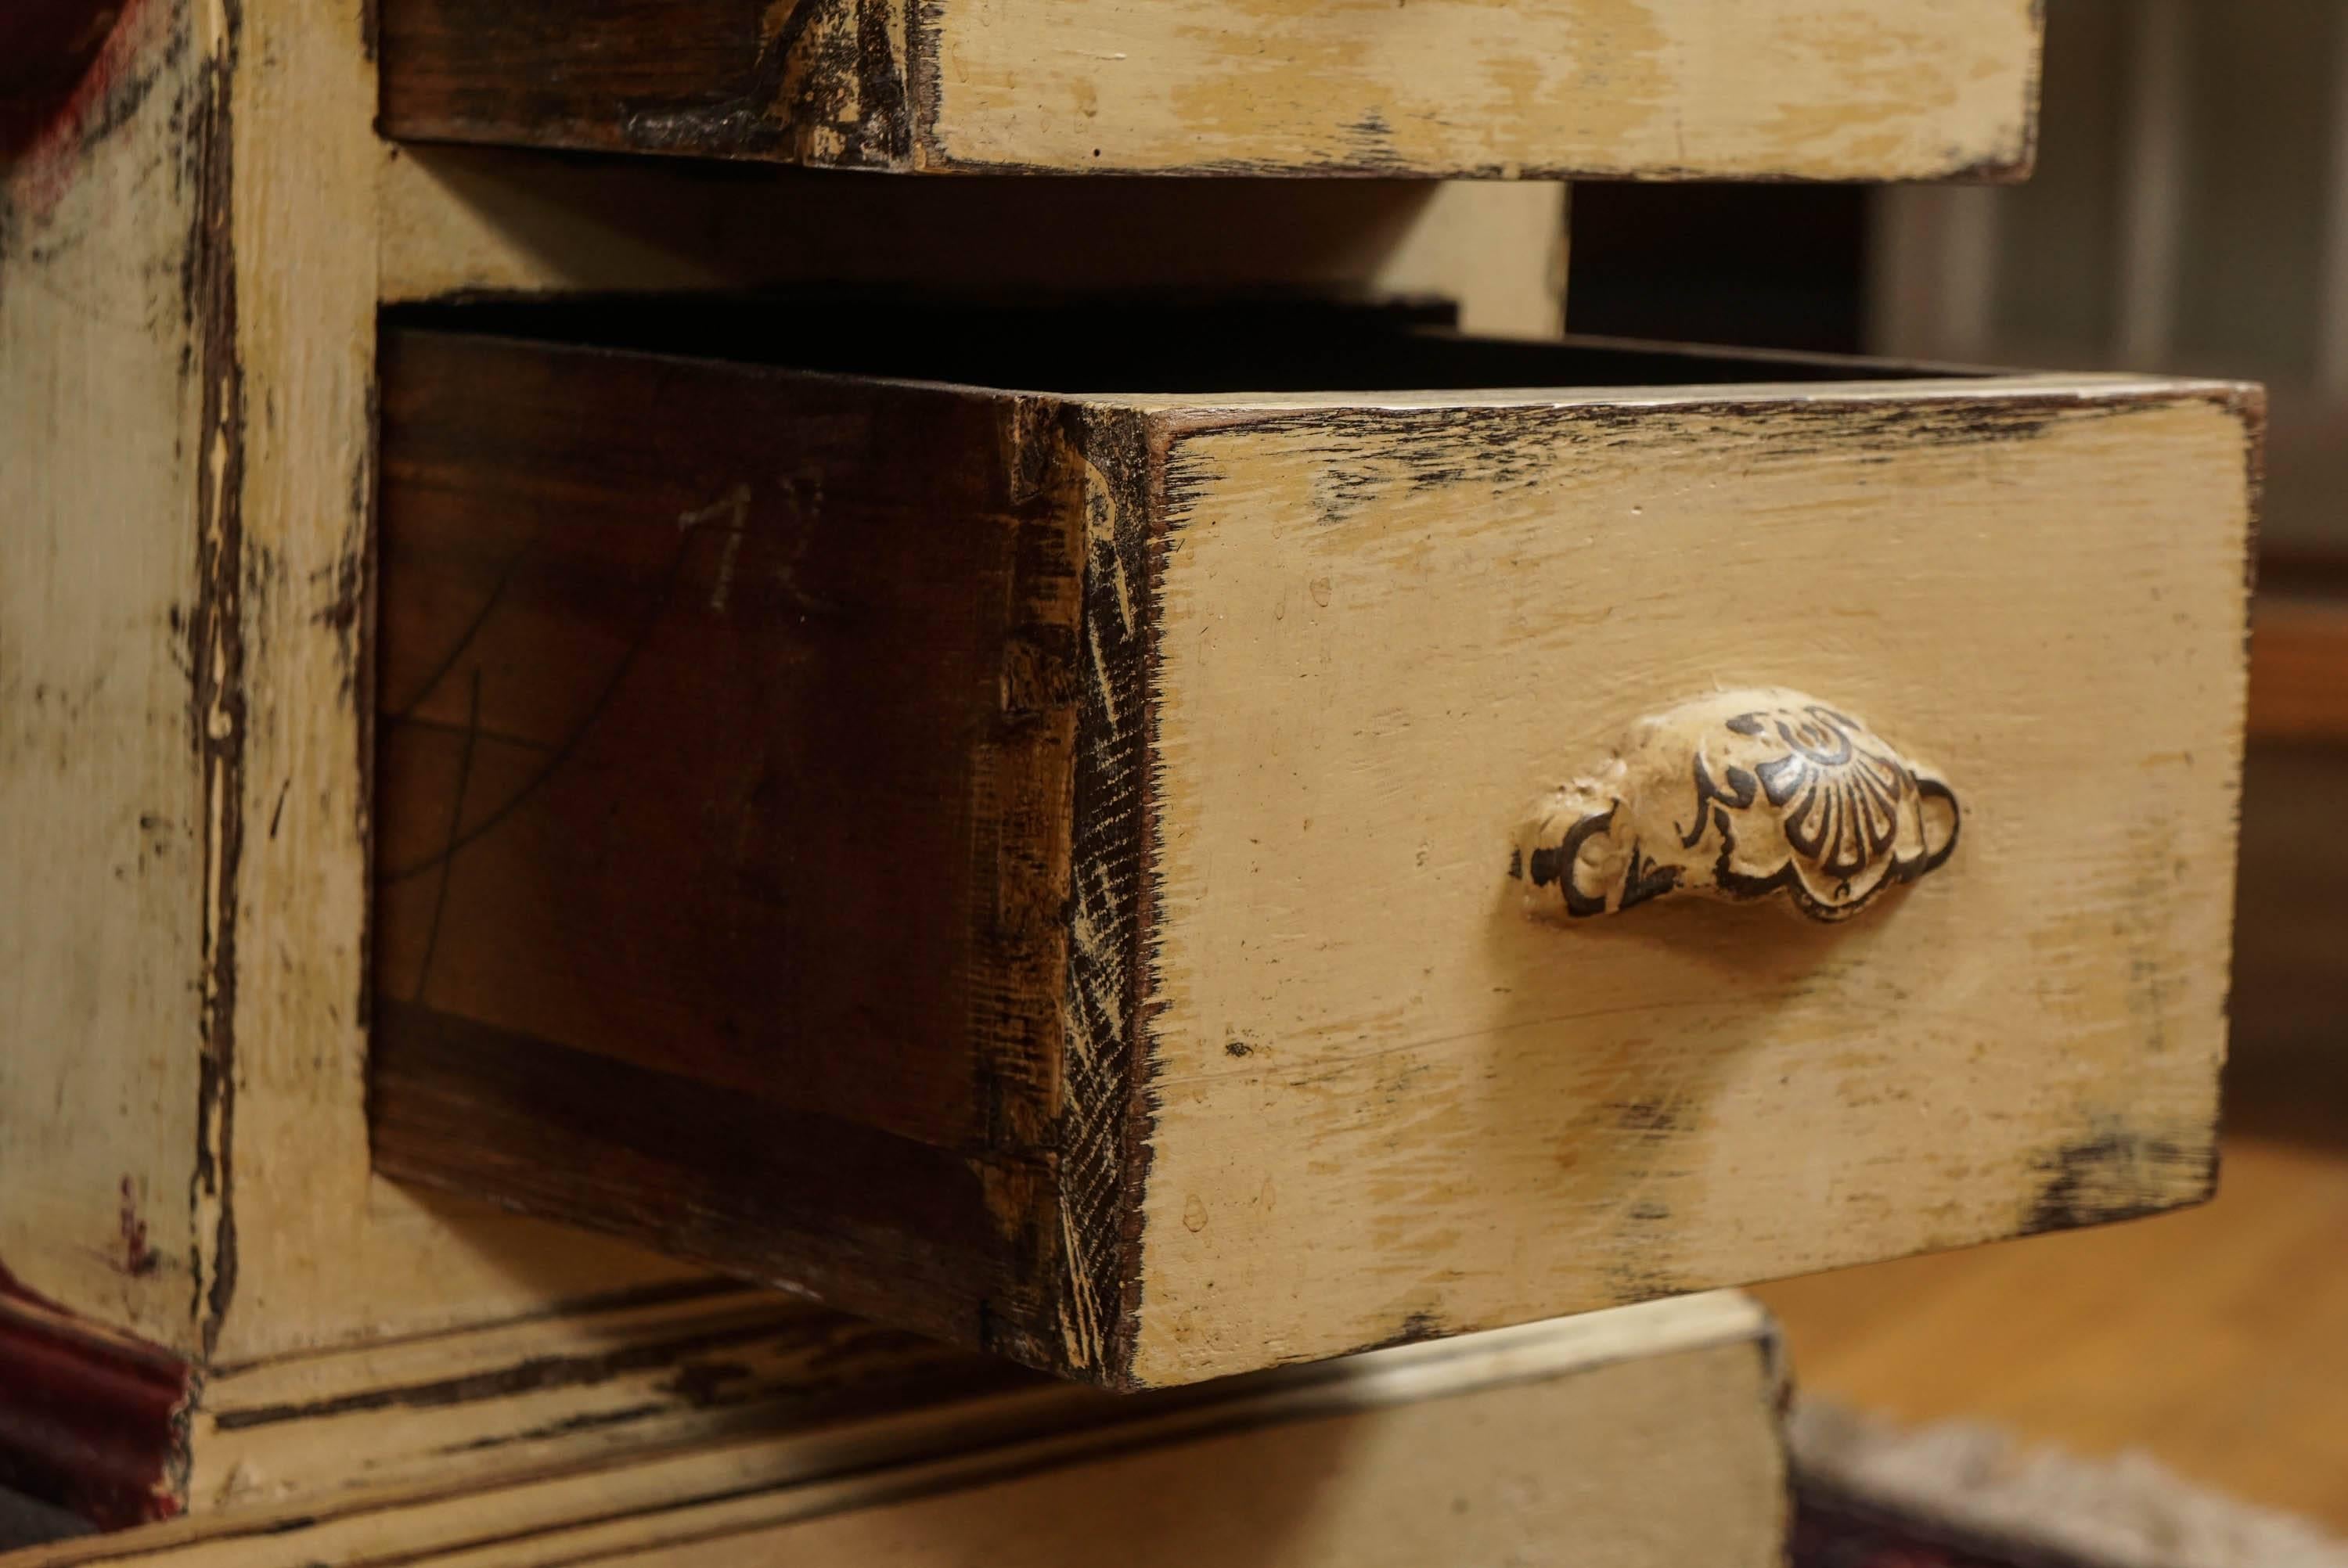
(1741, 794)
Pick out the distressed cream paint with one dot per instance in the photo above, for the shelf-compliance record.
(102, 822)
(332, 1255)
(182, 1134)
(1871, 89)
(326, 1254)
(1389, 1102)
(127, 1196)
(1644, 1437)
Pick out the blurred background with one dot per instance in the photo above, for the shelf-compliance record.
(2190, 214)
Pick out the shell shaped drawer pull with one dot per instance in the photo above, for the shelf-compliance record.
(1739, 795)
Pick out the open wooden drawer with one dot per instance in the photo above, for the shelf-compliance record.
(1132, 873)
(1844, 89)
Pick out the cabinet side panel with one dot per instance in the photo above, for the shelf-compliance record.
(106, 363)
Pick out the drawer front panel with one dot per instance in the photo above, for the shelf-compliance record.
(1388, 1099)
(1049, 870)
(1863, 89)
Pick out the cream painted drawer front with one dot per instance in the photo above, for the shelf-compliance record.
(1385, 1098)
(1037, 867)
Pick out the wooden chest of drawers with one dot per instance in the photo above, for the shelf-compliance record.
(1154, 849)
(1076, 872)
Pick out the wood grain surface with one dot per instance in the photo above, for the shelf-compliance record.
(797, 727)
(1550, 88)
(1261, 683)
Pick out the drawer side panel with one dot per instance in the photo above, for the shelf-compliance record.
(725, 750)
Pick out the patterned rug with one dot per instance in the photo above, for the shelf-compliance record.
(1832, 1530)
(1872, 1495)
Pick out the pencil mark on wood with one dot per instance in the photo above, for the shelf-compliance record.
(465, 639)
(448, 866)
(496, 818)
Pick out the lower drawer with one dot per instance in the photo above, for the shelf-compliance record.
(1268, 842)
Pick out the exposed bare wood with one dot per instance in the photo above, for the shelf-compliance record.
(185, 667)
(184, 1191)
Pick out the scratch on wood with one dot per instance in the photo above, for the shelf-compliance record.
(216, 655)
(536, 1375)
(456, 830)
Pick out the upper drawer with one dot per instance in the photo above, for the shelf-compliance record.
(1098, 874)
(1859, 89)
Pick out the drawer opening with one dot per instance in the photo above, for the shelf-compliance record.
(1134, 346)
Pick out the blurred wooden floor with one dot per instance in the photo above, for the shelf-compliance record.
(2215, 1338)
